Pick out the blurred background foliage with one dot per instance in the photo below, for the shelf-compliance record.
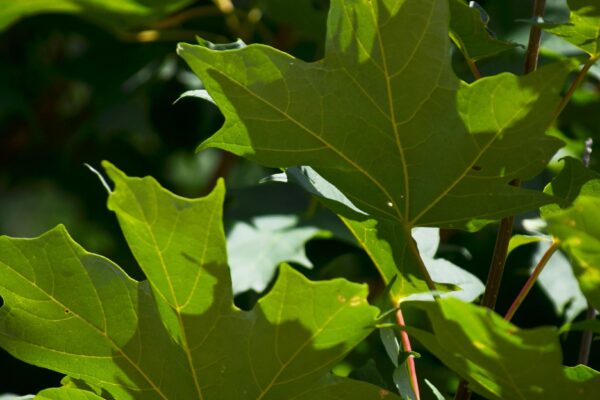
(82, 81)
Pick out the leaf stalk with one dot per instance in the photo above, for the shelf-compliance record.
(531, 280)
(410, 361)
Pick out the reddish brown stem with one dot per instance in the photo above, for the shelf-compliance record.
(532, 279)
(496, 271)
(410, 361)
(535, 35)
(474, 70)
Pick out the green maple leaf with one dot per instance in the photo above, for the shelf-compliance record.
(499, 360)
(178, 334)
(384, 118)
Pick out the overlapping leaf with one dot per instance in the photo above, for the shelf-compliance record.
(577, 226)
(383, 117)
(470, 34)
(499, 360)
(393, 254)
(583, 29)
(177, 335)
(114, 14)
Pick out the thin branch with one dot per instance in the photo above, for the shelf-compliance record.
(494, 280)
(586, 338)
(473, 67)
(410, 361)
(535, 35)
(574, 85)
(532, 279)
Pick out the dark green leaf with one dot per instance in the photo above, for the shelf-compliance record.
(469, 32)
(586, 325)
(574, 179)
(438, 395)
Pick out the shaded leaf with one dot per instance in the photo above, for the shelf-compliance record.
(586, 325)
(499, 360)
(307, 17)
(113, 14)
(469, 32)
(388, 247)
(574, 179)
(438, 395)
(177, 335)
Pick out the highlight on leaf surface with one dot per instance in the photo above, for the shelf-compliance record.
(384, 119)
(499, 360)
(178, 334)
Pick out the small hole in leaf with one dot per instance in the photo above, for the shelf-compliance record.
(67, 311)
(476, 168)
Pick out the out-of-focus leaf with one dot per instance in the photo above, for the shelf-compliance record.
(581, 373)
(198, 93)
(306, 17)
(586, 325)
(577, 226)
(66, 393)
(521, 240)
(268, 225)
(257, 247)
(574, 179)
(113, 14)
(559, 283)
(583, 28)
(469, 32)
(578, 230)
(177, 335)
(438, 395)
(499, 360)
